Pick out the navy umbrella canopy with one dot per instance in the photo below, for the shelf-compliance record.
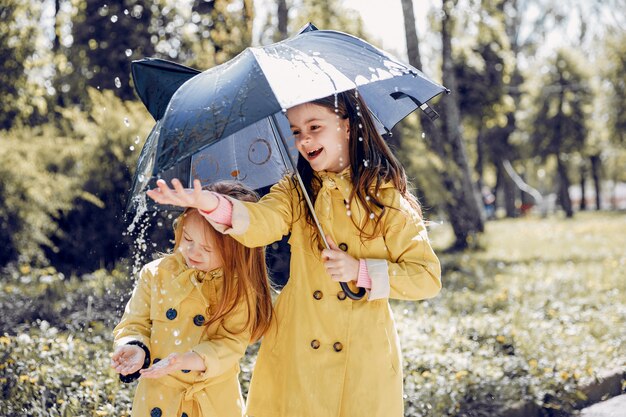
(156, 81)
(263, 81)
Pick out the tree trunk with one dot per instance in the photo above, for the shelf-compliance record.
(583, 194)
(595, 174)
(56, 41)
(464, 208)
(506, 184)
(282, 13)
(564, 198)
(474, 216)
(480, 155)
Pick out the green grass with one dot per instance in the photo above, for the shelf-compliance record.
(535, 315)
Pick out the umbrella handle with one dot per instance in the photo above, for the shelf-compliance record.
(352, 295)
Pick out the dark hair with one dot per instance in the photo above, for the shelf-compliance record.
(245, 271)
(366, 144)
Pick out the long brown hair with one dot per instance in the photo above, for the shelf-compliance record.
(244, 269)
(366, 144)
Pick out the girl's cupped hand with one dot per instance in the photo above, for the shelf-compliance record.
(127, 359)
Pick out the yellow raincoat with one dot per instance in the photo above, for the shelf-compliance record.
(165, 313)
(329, 356)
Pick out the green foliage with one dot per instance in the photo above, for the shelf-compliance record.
(222, 29)
(110, 138)
(326, 14)
(106, 36)
(516, 321)
(34, 190)
(483, 65)
(563, 106)
(19, 32)
(64, 190)
(615, 86)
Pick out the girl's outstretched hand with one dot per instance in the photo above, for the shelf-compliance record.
(163, 367)
(340, 266)
(183, 197)
(127, 359)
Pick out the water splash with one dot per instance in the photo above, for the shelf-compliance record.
(138, 227)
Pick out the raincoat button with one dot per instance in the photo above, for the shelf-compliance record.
(343, 247)
(155, 412)
(171, 314)
(338, 346)
(198, 320)
(315, 344)
(341, 295)
(318, 295)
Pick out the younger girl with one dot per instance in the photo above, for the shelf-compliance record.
(330, 355)
(190, 318)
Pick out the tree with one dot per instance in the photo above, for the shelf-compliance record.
(216, 31)
(488, 87)
(19, 31)
(106, 36)
(463, 205)
(561, 121)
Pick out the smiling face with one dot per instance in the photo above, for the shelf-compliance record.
(197, 244)
(321, 137)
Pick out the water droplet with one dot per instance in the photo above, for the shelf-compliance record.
(177, 342)
(114, 18)
(126, 122)
(372, 215)
(423, 135)
(128, 52)
(360, 139)
(349, 213)
(117, 81)
(137, 139)
(132, 148)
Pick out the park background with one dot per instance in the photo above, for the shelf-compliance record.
(522, 179)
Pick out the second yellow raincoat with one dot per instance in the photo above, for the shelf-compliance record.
(326, 355)
(166, 313)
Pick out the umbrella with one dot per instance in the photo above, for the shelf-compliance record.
(229, 121)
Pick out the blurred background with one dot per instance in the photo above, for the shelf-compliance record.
(522, 178)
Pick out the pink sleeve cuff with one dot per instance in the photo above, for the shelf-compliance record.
(363, 279)
(223, 213)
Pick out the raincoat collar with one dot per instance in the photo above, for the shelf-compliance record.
(186, 279)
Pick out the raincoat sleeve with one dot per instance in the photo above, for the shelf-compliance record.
(264, 222)
(227, 346)
(412, 270)
(136, 324)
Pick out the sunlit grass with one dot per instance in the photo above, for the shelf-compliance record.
(534, 315)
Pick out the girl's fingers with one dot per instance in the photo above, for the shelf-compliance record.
(178, 186)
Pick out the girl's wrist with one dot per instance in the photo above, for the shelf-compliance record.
(213, 203)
